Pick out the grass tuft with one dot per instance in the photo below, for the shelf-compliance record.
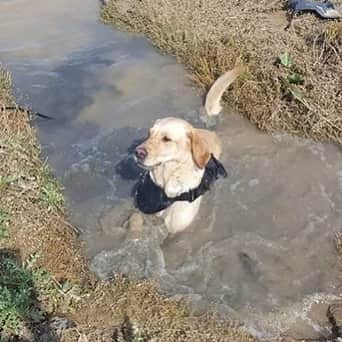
(51, 193)
(17, 298)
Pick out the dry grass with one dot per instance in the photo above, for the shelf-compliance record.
(212, 36)
(158, 317)
(32, 224)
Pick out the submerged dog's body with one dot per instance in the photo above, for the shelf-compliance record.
(176, 154)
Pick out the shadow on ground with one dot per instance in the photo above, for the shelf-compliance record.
(21, 315)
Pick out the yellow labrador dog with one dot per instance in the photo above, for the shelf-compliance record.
(176, 155)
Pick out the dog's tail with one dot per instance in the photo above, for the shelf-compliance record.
(212, 101)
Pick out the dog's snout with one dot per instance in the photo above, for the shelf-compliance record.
(140, 152)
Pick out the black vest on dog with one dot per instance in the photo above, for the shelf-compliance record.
(151, 198)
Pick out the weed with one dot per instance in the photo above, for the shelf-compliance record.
(17, 297)
(295, 78)
(292, 79)
(5, 181)
(286, 60)
(138, 337)
(22, 289)
(51, 192)
(4, 233)
(49, 289)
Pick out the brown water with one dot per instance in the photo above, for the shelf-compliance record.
(261, 249)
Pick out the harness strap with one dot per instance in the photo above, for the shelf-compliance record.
(150, 198)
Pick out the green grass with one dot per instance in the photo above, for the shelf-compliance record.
(3, 233)
(51, 193)
(292, 80)
(22, 289)
(17, 298)
(26, 176)
(5, 181)
(138, 337)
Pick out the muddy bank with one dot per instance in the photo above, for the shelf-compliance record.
(300, 94)
(68, 303)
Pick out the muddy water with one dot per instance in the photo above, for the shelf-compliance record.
(261, 249)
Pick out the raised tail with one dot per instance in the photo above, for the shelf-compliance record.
(212, 101)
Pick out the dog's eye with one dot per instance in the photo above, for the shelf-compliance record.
(166, 139)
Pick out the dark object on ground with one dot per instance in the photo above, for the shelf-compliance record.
(28, 111)
(334, 317)
(325, 10)
(59, 324)
(150, 198)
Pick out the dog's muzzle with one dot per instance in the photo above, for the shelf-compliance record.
(140, 153)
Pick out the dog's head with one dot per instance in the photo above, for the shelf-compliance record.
(173, 139)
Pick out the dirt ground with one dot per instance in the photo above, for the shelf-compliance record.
(54, 296)
(293, 78)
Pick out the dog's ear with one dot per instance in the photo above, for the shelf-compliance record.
(200, 148)
(203, 144)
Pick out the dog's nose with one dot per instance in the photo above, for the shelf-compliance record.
(140, 152)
